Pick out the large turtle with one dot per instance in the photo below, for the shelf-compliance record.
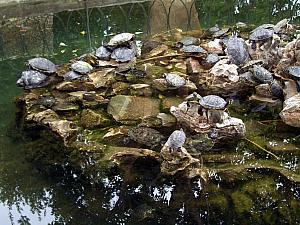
(121, 39)
(81, 67)
(176, 140)
(262, 75)
(42, 64)
(237, 50)
(213, 107)
(32, 79)
(260, 35)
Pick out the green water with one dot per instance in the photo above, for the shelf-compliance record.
(28, 196)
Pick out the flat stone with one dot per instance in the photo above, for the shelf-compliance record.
(181, 67)
(215, 47)
(170, 101)
(263, 90)
(159, 50)
(290, 89)
(128, 109)
(141, 90)
(75, 86)
(193, 66)
(291, 111)
(102, 78)
(160, 84)
(90, 119)
(167, 120)
(65, 106)
(117, 135)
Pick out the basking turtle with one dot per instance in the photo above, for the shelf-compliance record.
(276, 89)
(103, 53)
(260, 35)
(193, 49)
(210, 60)
(189, 41)
(174, 80)
(81, 67)
(237, 50)
(42, 65)
(221, 33)
(214, 108)
(281, 25)
(123, 54)
(72, 75)
(145, 135)
(121, 39)
(214, 29)
(293, 72)
(176, 140)
(32, 79)
(262, 75)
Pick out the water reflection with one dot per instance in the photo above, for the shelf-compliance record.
(29, 197)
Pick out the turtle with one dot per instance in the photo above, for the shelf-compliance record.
(193, 49)
(280, 25)
(186, 41)
(237, 50)
(214, 29)
(221, 33)
(212, 102)
(32, 79)
(210, 60)
(276, 89)
(213, 107)
(293, 72)
(193, 97)
(103, 53)
(121, 39)
(42, 65)
(146, 136)
(123, 54)
(72, 75)
(176, 140)
(262, 75)
(260, 35)
(174, 80)
(81, 67)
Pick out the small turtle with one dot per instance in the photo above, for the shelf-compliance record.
(210, 60)
(174, 80)
(214, 29)
(293, 72)
(176, 140)
(72, 75)
(145, 135)
(189, 41)
(276, 89)
(81, 67)
(32, 79)
(214, 108)
(262, 75)
(237, 50)
(212, 102)
(193, 49)
(123, 54)
(221, 33)
(121, 39)
(103, 53)
(42, 65)
(260, 35)
(193, 97)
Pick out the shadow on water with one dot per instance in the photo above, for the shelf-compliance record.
(64, 197)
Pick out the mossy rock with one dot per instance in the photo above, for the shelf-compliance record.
(91, 118)
(242, 203)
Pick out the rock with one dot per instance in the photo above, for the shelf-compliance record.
(222, 69)
(75, 86)
(63, 106)
(167, 120)
(128, 109)
(159, 50)
(146, 136)
(91, 119)
(215, 47)
(291, 111)
(170, 101)
(103, 78)
(117, 135)
(180, 67)
(263, 90)
(48, 118)
(193, 66)
(290, 89)
(160, 84)
(120, 88)
(149, 45)
(141, 90)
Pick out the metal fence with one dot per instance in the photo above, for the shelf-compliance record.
(91, 21)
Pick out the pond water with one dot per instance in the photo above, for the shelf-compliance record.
(61, 31)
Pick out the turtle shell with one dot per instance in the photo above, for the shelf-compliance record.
(123, 54)
(176, 139)
(262, 75)
(42, 64)
(189, 41)
(103, 53)
(261, 34)
(276, 89)
(193, 49)
(32, 79)
(220, 33)
(213, 102)
(175, 80)
(237, 50)
(81, 67)
(72, 75)
(121, 39)
(293, 71)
